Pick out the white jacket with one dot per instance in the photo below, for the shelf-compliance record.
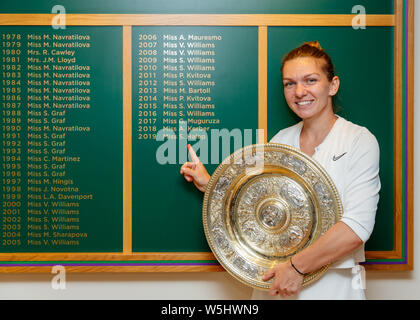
(350, 155)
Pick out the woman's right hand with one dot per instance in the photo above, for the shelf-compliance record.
(195, 171)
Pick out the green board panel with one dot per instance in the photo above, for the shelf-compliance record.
(61, 139)
(207, 77)
(364, 63)
(200, 6)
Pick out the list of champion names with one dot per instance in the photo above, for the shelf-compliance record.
(194, 85)
(176, 80)
(46, 107)
(62, 125)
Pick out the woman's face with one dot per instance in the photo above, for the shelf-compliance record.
(307, 90)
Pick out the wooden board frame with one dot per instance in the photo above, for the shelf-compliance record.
(401, 258)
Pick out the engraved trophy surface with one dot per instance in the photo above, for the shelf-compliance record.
(262, 205)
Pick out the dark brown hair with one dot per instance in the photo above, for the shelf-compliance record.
(311, 49)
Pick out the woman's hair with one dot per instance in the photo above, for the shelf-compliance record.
(314, 50)
(311, 49)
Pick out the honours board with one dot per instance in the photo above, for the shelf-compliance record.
(96, 118)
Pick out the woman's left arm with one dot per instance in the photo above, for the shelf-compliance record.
(360, 200)
(337, 242)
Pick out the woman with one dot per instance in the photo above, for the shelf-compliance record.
(349, 153)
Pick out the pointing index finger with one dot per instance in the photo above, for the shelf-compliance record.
(193, 155)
